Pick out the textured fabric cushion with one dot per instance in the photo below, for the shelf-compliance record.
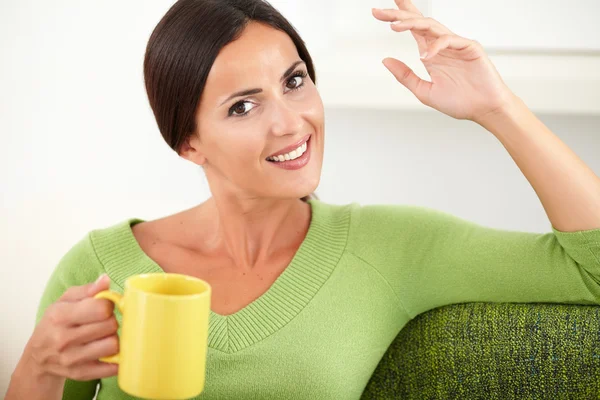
(494, 351)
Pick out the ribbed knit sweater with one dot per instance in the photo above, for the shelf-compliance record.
(359, 276)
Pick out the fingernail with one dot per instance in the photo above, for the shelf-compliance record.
(100, 278)
(423, 56)
(396, 22)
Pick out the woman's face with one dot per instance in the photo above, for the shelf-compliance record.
(283, 115)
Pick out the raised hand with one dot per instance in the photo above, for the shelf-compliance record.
(464, 82)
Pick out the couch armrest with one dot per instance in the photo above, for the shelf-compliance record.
(494, 351)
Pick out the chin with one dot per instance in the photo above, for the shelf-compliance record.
(309, 187)
(297, 193)
(303, 185)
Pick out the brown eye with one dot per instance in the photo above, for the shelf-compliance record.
(295, 82)
(240, 108)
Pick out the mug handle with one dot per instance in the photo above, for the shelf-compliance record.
(118, 300)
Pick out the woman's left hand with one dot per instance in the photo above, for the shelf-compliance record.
(464, 82)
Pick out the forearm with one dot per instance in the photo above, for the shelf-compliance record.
(568, 189)
(26, 384)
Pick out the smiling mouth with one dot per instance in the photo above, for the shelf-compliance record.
(293, 153)
(298, 157)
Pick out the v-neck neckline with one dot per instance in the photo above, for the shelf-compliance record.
(312, 264)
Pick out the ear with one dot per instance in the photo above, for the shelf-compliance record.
(191, 150)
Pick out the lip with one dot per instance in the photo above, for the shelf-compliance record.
(297, 163)
(291, 147)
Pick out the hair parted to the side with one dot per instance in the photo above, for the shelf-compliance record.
(182, 49)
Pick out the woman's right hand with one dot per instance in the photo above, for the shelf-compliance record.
(72, 335)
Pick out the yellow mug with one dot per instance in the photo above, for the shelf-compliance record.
(164, 333)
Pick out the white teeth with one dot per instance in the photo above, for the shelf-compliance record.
(291, 155)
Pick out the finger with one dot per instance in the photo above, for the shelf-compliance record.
(90, 310)
(448, 42)
(88, 371)
(408, 6)
(75, 355)
(77, 293)
(391, 15)
(423, 25)
(408, 78)
(87, 333)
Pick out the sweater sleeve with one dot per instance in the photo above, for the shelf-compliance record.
(431, 258)
(78, 266)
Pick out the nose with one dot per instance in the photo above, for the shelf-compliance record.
(286, 120)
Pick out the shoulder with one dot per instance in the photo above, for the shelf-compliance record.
(382, 218)
(78, 266)
(82, 262)
(387, 227)
(379, 220)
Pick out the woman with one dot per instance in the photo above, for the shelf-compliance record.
(306, 296)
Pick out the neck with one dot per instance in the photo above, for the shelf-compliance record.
(250, 232)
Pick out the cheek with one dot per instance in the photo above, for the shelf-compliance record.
(232, 147)
(313, 109)
(240, 149)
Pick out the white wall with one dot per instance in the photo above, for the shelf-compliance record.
(79, 150)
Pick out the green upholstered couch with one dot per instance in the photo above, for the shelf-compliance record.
(494, 351)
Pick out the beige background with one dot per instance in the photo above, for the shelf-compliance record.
(80, 149)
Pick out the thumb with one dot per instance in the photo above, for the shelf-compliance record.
(102, 283)
(408, 78)
(76, 293)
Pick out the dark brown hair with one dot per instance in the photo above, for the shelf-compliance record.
(183, 48)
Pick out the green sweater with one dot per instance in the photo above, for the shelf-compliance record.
(359, 276)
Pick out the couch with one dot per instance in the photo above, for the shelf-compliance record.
(494, 351)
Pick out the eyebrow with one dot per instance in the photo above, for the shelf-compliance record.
(248, 92)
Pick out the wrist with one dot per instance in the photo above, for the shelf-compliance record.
(30, 381)
(507, 113)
